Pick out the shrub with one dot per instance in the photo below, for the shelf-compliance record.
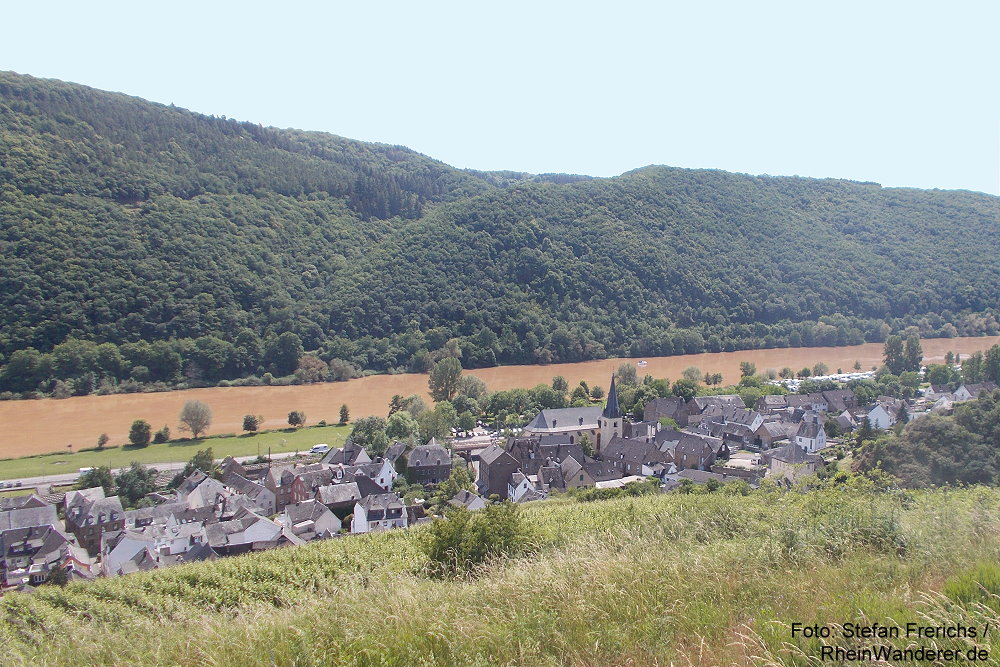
(465, 540)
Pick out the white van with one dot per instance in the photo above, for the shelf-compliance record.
(319, 449)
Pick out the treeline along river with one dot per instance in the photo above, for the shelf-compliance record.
(46, 425)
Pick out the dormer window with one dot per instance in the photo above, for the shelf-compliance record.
(554, 423)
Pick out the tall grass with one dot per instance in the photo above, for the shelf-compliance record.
(677, 579)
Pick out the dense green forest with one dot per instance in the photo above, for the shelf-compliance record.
(145, 244)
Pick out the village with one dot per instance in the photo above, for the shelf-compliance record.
(241, 508)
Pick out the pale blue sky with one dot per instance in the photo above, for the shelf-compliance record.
(902, 93)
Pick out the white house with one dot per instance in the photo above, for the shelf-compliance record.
(382, 511)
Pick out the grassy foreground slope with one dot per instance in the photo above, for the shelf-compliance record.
(693, 579)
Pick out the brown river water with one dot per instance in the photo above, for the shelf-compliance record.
(38, 426)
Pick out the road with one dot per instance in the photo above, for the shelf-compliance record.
(44, 484)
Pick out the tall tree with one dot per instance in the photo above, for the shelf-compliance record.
(444, 377)
(195, 418)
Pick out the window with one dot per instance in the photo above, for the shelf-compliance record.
(581, 477)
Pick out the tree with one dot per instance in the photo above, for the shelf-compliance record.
(100, 476)
(894, 355)
(587, 445)
(402, 426)
(692, 374)
(369, 432)
(195, 418)
(913, 354)
(747, 369)
(203, 460)
(627, 375)
(140, 433)
(311, 369)
(102, 440)
(437, 423)
(57, 576)
(281, 354)
(296, 418)
(685, 388)
(466, 422)
(865, 430)
(559, 383)
(163, 435)
(443, 381)
(251, 423)
(597, 392)
(135, 482)
(345, 414)
(820, 369)
(341, 370)
(471, 387)
(786, 373)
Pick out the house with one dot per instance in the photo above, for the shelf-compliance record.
(383, 511)
(885, 412)
(791, 462)
(279, 480)
(699, 404)
(25, 512)
(532, 451)
(689, 450)
(394, 451)
(310, 520)
(771, 403)
(847, 421)
(350, 454)
(468, 500)
(518, 485)
(261, 496)
(200, 490)
(89, 514)
(495, 466)
(576, 474)
(968, 392)
(340, 496)
(28, 554)
(634, 457)
(769, 434)
(247, 532)
(174, 512)
(428, 464)
(810, 435)
(672, 407)
(838, 400)
(158, 545)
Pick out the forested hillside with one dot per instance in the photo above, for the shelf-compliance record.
(146, 243)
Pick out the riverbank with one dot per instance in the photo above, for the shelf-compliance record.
(47, 425)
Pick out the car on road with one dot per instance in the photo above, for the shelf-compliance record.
(319, 449)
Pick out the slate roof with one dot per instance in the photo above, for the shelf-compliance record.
(611, 409)
(463, 498)
(565, 419)
(793, 454)
(428, 455)
(339, 494)
(29, 515)
(698, 404)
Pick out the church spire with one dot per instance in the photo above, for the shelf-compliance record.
(611, 410)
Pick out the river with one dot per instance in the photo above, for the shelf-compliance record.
(46, 425)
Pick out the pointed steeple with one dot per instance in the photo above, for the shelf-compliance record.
(611, 410)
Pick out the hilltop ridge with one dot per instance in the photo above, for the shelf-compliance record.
(126, 222)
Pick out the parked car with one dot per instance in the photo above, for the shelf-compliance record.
(319, 449)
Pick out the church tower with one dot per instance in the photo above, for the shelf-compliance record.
(610, 421)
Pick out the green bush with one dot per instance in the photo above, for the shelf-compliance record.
(465, 540)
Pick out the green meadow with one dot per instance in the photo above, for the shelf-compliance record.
(279, 442)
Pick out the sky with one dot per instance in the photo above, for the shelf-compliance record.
(900, 93)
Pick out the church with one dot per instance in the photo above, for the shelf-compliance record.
(598, 424)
